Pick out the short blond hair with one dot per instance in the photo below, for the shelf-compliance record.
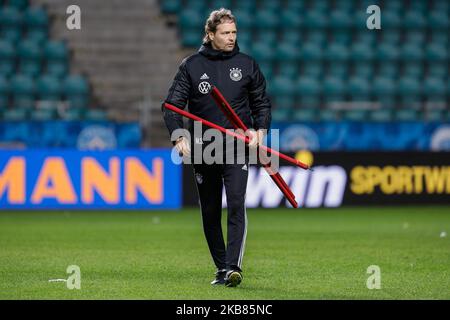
(215, 18)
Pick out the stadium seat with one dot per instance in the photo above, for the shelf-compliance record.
(73, 114)
(30, 58)
(312, 69)
(436, 52)
(76, 90)
(7, 58)
(244, 21)
(434, 115)
(438, 19)
(291, 36)
(391, 19)
(334, 89)
(414, 19)
(384, 91)
(406, 115)
(23, 91)
(290, 20)
(361, 52)
(308, 115)
(56, 56)
(308, 90)
(387, 52)
(267, 20)
(381, 115)
(43, 114)
(96, 115)
(18, 4)
(363, 69)
(10, 23)
(171, 6)
(359, 89)
(197, 5)
(435, 89)
(410, 91)
(329, 115)
(287, 70)
(262, 52)
(336, 52)
(287, 53)
(49, 91)
(310, 51)
(16, 114)
(4, 93)
(281, 114)
(36, 19)
(355, 115)
(413, 69)
(191, 38)
(412, 52)
(315, 19)
(340, 19)
(191, 19)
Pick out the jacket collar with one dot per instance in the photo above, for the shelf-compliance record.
(207, 50)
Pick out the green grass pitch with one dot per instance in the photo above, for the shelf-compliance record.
(290, 254)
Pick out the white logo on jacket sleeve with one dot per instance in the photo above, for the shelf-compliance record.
(204, 87)
(204, 77)
(235, 74)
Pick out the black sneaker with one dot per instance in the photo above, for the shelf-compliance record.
(220, 277)
(233, 278)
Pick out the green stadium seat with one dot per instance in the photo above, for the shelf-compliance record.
(355, 115)
(381, 115)
(317, 37)
(361, 52)
(280, 114)
(267, 70)
(359, 89)
(4, 93)
(410, 91)
(7, 58)
(95, 115)
(363, 69)
(73, 114)
(291, 36)
(281, 86)
(342, 37)
(387, 52)
(315, 19)
(49, 91)
(413, 69)
(43, 114)
(406, 115)
(388, 69)
(268, 37)
(415, 36)
(287, 53)
(308, 114)
(440, 6)
(290, 20)
(414, 19)
(296, 6)
(191, 19)
(263, 52)
(437, 52)
(384, 91)
(336, 52)
(249, 5)
(36, 18)
(391, 20)
(10, 24)
(76, 90)
(312, 69)
(412, 52)
(345, 5)
(287, 70)
(197, 5)
(18, 4)
(334, 89)
(310, 51)
(267, 20)
(244, 21)
(391, 37)
(435, 89)
(329, 115)
(340, 19)
(439, 20)
(191, 38)
(338, 69)
(434, 115)
(30, 56)
(308, 90)
(15, 114)
(171, 6)
(23, 91)
(438, 69)
(320, 5)
(391, 5)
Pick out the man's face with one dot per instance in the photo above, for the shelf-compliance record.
(225, 37)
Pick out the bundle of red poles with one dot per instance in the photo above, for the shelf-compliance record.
(238, 124)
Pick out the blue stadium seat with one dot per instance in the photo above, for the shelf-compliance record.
(410, 92)
(10, 23)
(7, 58)
(30, 58)
(171, 6)
(4, 93)
(76, 91)
(334, 89)
(49, 91)
(359, 89)
(23, 91)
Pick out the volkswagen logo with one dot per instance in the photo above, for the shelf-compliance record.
(204, 87)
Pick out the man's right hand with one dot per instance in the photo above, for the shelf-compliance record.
(183, 146)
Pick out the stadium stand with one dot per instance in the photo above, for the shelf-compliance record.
(36, 82)
(322, 63)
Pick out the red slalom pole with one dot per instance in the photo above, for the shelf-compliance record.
(238, 124)
(233, 134)
(234, 118)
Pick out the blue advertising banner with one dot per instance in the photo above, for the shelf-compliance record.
(363, 136)
(55, 179)
(84, 135)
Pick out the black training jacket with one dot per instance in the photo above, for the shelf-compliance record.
(235, 74)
